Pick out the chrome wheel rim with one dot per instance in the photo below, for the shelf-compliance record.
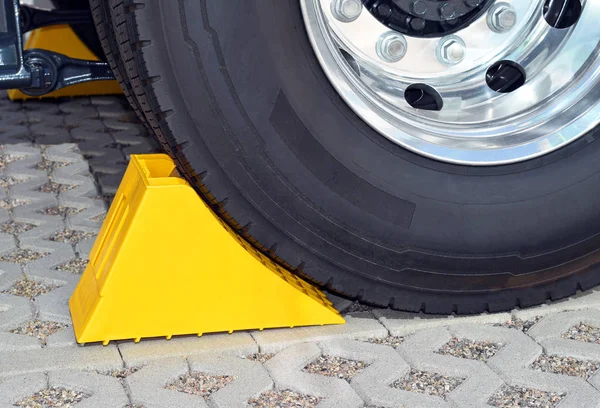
(558, 103)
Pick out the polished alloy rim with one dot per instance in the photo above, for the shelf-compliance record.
(511, 85)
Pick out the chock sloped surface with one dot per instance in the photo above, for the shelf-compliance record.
(62, 39)
(164, 264)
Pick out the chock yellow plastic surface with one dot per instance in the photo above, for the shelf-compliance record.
(164, 264)
(62, 39)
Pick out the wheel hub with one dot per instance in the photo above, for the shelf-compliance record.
(426, 18)
(513, 80)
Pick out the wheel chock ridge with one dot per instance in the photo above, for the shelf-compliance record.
(164, 264)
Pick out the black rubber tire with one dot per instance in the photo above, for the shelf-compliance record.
(235, 94)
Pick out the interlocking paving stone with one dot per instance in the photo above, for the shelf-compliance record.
(566, 365)
(427, 383)
(510, 397)
(284, 399)
(473, 350)
(39, 329)
(286, 369)
(30, 288)
(200, 384)
(338, 367)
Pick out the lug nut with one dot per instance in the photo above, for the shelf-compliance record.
(502, 18)
(346, 11)
(447, 11)
(419, 7)
(451, 50)
(391, 47)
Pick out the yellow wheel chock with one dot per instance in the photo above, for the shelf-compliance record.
(62, 39)
(164, 264)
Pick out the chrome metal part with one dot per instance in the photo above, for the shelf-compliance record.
(558, 102)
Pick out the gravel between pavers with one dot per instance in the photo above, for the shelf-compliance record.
(392, 341)
(260, 357)
(472, 350)
(70, 236)
(10, 203)
(121, 372)
(39, 329)
(517, 397)
(523, 325)
(6, 182)
(333, 366)
(22, 256)
(54, 187)
(52, 397)
(427, 383)
(284, 399)
(583, 332)
(200, 384)
(61, 210)
(566, 366)
(50, 165)
(7, 159)
(16, 227)
(29, 288)
(75, 265)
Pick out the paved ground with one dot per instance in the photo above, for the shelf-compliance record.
(60, 162)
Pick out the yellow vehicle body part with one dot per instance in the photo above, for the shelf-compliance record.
(164, 264)
(62, 39)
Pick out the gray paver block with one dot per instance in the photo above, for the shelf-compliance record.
(147, 386)
(480, 382)
(512, 364)
(358, 326)
(62, 338)
(9, 272)
(251, 379)
(548, 332)
(103, 391)
(13, 310)
(151, 349)
(385, 366)
(586, 300)
(402, 323)
(15, 389)
(49, 359)
(286, 370)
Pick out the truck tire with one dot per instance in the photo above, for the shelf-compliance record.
(239, 96)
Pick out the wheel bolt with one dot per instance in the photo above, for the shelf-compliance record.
(346, 11)
(391, 47)
(502, 18)
(419, 7)
(451, 50)
(447, 11)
